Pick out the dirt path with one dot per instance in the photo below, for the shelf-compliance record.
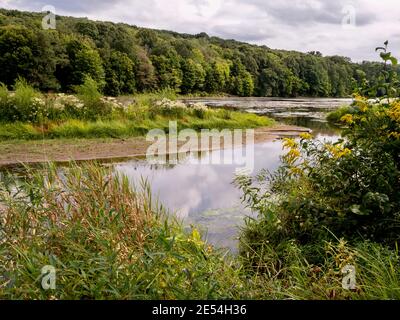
(12, 153)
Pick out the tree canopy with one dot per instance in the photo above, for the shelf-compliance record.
(125, 59)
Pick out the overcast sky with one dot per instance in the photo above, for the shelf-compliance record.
(351, 28)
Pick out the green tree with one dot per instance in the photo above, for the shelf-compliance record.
(217, 77)
(87, 28)
(84, 61)
(145, 71)
(167, 64)
(120, 76)
(17, 51)
(194, 76)
(242, 83)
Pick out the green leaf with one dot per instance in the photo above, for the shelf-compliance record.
(356, 209)
(394, 61)
(385, 56)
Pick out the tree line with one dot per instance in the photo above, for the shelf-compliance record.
(126, 59)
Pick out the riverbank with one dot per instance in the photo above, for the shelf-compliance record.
(64, 150)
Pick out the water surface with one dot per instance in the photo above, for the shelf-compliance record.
(204, 194)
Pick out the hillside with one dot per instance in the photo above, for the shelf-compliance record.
(125, 59)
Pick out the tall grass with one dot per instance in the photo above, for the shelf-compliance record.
(149, 98)
(26, 115)
(292, 276)
(131, 126)
(106, 239)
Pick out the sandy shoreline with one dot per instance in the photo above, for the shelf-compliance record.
(31, 152)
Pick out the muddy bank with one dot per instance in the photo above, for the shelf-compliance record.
(29, 152)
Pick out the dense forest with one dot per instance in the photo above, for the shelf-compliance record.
(125, 59)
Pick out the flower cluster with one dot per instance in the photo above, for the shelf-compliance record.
(292, 157)
(337, 151)
(198, 106)
(61, 100)
(348, 119)
(394, 112)
(169, 104)
(114, 103)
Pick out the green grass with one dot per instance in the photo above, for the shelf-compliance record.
(106, 239)
(29, 115)
(109, 239)
(136, 125)
(290, 275)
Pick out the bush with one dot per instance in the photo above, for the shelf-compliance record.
(90, 95)
(25, 104)
(4, 102)
(349, 188)
(335, 116)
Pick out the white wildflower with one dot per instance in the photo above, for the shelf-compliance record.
(169, 104)
(198, 106)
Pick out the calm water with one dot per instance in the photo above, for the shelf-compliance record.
(204, 194)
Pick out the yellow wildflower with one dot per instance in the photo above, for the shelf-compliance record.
(289, 143)
(395, 135)
(359, 98)
(363, 108)
(294, 153)
(348, 118)
(306, 136)
(342, 153)
(394, 112)
(338, 151)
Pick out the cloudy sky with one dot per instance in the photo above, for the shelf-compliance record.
(351, 28)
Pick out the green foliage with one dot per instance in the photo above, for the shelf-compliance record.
(217, 77)
(23, 105)
(106, 241)
(120, 77)
(84, 61)
(89, 94)
(384, 83)
(193, 76)
(241, 80)
(336, 116)
(145, 114)
(124, 59)
(348, 189)
(293, 276)
(16, 53)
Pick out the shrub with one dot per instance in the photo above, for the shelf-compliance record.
(292, 276)
(25, 104)
(4, 102)
(349, 189)
(335, 116)
(89, 94)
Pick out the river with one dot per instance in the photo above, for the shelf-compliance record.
(203, 195)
